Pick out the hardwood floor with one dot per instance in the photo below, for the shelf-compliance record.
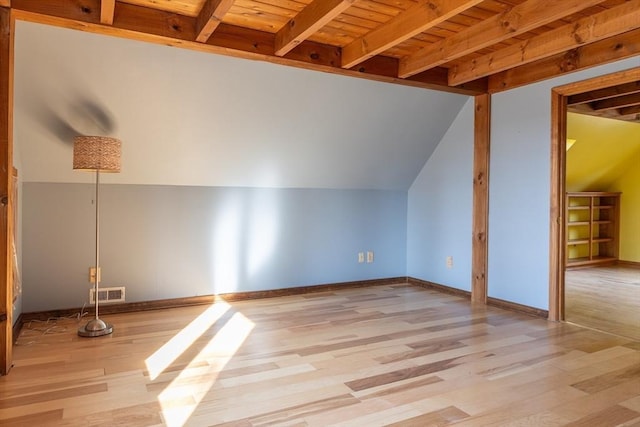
(386, 355)
(605, 298)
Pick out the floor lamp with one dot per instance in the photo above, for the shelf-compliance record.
(96, 154)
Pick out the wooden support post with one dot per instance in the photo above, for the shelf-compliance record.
(6, 187)
(482, 125)
(557, 248)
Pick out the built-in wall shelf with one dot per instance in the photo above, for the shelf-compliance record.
(592, 228)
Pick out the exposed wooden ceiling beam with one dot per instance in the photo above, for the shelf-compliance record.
(107, 10)
(173, 29)
(608, 50)
(630, 111)
(88, 12)
(608, 23)
(519, 19)
(154, 22)
(627, 114)
(608, 92)
(308, 21)
(617, 102)
(165, 28)
(418, 18)
(210, 17)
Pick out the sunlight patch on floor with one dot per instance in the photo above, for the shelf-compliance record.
(172, 349)
(195, 381)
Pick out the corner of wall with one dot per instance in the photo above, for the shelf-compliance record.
(439, 209)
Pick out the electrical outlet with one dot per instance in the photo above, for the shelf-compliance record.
(360, 257)
(369, 257)
(449, 261)
(92, 274)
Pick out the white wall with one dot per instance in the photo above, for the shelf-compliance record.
(519, 189)
(439, 208)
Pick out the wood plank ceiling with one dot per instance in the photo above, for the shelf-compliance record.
(464, 46)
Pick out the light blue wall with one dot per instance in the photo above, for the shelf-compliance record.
(519, 189)
(216, 121)
(175, 241)
(439, 209)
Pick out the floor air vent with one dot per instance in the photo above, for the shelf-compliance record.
(106, 295)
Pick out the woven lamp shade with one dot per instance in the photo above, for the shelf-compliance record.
(91, 153)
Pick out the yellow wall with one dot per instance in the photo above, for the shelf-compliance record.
(629, 185)
(602, 150)
(606, 157)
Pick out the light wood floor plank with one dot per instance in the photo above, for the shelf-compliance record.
(385, 355)
(605, 298)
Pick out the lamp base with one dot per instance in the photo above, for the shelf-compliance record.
(95, 328)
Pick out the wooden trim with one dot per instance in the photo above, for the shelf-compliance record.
(495, 302)
(632, 264)
(242, 296)
(329, 287)
(590, 264)
(520, 308)
(481, 154)
(557, 248)
(7, 39)
(17, 327)
(129, 307)
(438, 287)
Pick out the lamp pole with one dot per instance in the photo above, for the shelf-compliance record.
(96, 154)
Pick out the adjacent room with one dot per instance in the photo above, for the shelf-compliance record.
(314, 213)
(602, 284)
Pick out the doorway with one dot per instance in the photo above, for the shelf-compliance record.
(575, 97)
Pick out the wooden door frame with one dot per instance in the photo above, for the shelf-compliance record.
(557, 249)
(7, 39)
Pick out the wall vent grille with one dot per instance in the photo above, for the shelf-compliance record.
(107, 295)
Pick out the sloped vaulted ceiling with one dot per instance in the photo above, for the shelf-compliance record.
(188, 118)
(605, 149)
